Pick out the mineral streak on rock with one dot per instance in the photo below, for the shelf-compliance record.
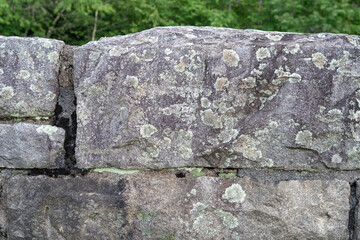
(217, 97)
(28, 76)
(24, 145)
(161, 206)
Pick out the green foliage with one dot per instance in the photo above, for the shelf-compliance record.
(79, 21)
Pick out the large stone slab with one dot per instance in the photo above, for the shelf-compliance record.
(24, 145)
(216, 97)
(28, 76)
(162, 206)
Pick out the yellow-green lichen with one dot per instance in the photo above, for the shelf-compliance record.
(234, 194)
(116, 170)
(227, 175)
(195, 171)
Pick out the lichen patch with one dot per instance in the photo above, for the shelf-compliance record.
(24, 74)
(180, 67)
(147, 130)
(221, 84)
(210, 118)
(336, 158)
(234, 194)
(262, 53)
(274, 37)
(230, 57)
(292, 49)
(6, 93)
(304, 138)
(319, 60)
(131, 81)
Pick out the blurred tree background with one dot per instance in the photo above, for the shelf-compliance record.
(79, 21)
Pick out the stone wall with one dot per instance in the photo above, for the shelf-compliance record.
(181, 133)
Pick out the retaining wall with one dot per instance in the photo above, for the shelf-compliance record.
(181, 133)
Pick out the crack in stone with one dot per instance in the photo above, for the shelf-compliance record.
(353, 201)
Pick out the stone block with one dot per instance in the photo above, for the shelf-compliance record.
(217, 97)
(28, 76)
(24, 145)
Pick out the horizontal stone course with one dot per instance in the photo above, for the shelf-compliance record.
(161, 206)
(28, 76)
(216, 97)
(25, 145)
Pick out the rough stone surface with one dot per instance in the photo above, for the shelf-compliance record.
(28, 76)
(162, 206)
(215, 97)
(65, 208)
(24, 145)
(66, 66)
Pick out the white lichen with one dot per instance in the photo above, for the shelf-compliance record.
(230, 57)
(131, 81)
(262, 53)
(319, 60)
(6, 93)
(221, 84)
(234, 194)
(336, 158)
(147, 130)
(304, 138)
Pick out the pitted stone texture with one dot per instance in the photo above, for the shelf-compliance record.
(28, 76)
(161, 206)
(24, 145)
(216, 97)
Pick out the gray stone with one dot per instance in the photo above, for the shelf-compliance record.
(28, 76)
(66, 66)
(66, 208)
(216, 97)
(24, 145)
(158, 205)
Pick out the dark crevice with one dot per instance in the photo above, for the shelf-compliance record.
(57, 172)
(353, 201)
(65, 117)
(180, 174)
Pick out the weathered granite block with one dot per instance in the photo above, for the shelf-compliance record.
(162, 206)
(28, 76)
(216, 97)
(66, 208)
(24, 145)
